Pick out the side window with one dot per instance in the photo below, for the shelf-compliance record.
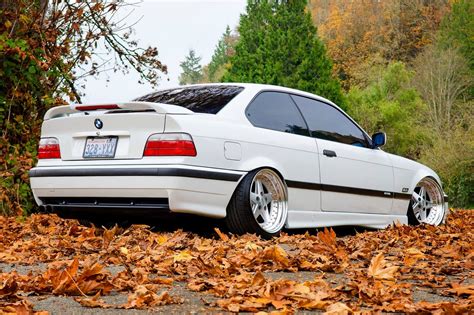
(276, 111)
(328, 123)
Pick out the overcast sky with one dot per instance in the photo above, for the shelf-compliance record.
(174, 26)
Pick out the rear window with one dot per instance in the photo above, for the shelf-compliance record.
(199, 99)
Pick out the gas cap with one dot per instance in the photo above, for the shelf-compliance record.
(232, 151)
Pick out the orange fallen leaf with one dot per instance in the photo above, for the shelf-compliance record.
(381, 270)
(8, 285)
(222, 236)
(108, 236)
(142, 297)
(21, 307)
(460, 290)
(183, 256)
(338, 308)
(277, 254)
(93, 302)
(327, 237)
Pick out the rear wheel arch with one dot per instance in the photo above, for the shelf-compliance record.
(242, 212)
(255, 170)
(273, 169)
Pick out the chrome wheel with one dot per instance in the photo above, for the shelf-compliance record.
(427, 202)
(269, 200)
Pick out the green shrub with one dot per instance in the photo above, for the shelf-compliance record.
(392, 106)
(452, 156)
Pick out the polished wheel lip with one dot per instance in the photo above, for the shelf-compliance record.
(428, 202)
(269, 201)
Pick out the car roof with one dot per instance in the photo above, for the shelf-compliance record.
(255, 88)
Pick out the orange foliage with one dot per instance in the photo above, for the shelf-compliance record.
(360, 33)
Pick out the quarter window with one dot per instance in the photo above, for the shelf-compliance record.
(328, 123)
(276, 111)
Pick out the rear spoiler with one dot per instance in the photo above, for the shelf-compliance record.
(66, 110)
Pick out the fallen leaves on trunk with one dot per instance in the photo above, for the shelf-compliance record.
(370, 271)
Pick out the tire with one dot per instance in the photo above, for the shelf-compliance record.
(269, 199)
(427, 204)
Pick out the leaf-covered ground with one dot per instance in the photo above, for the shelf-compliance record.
(57, 265)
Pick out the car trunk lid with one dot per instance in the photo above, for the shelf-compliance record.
(115, 131)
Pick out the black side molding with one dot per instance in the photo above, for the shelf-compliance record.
(303, 185)
(178, 172)
(347, 190)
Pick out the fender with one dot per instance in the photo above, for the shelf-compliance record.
(422, 173)
(262, 162)
(407, 174)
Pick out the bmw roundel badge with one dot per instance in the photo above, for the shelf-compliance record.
(98, 123)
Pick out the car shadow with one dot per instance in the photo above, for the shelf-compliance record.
(170, 222)
(341, 231)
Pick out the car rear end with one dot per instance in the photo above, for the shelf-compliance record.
(121, 158)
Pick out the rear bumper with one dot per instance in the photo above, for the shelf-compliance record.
(183, 189)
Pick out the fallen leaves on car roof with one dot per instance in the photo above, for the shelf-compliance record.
(368, 271)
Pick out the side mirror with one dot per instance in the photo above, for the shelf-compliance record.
(378, 139)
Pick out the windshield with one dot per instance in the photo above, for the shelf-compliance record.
(200, 99)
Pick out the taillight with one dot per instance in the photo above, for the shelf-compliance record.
(170, 144)
(49, 149)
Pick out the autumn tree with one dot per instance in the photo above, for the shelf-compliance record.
(45, 48)
(279, 45)
(442, 76)
(407, 67)
(191, 69)
(363, 34)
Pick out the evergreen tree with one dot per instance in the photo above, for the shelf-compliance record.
(192, 70)
(220, 56)
(279, 45)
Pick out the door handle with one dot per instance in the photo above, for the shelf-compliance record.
(329, 153)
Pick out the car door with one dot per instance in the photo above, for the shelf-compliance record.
(354, 177)
(283, 137)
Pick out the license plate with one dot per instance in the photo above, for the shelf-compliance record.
(100, 147)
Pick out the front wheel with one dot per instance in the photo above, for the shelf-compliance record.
(427, 203)
(259, 204)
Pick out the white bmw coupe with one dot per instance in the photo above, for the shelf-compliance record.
(263, 157)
